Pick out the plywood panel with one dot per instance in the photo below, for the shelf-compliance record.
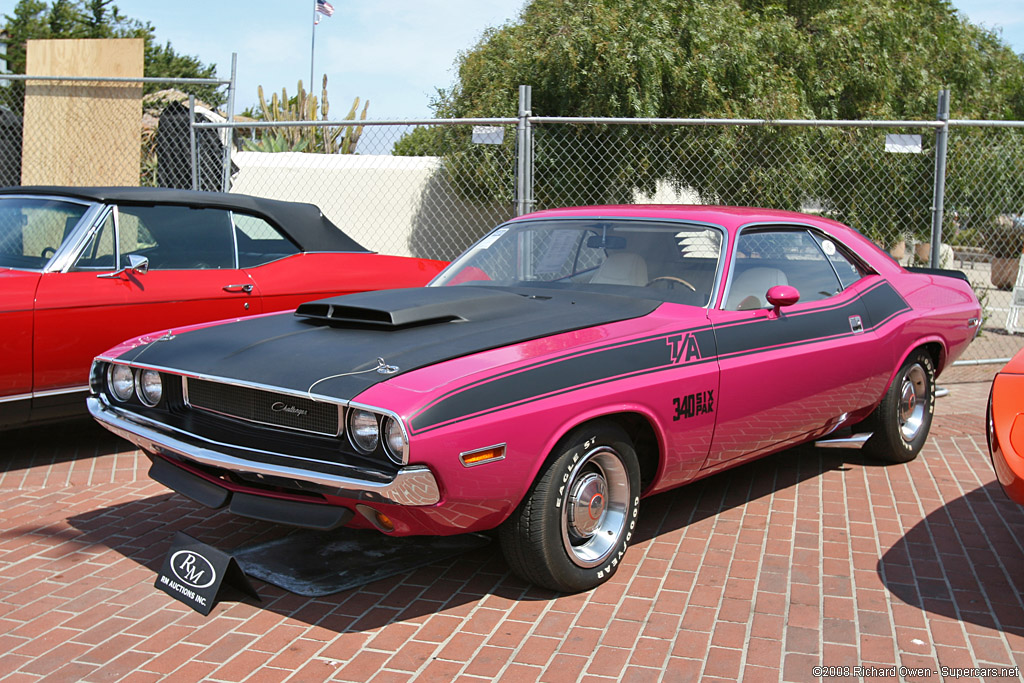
(83, 133)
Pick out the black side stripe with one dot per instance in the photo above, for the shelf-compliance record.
(878, 305)
(656, 354)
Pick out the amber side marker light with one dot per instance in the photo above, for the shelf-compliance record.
(484, 455)
(384, 521)
(376, 518)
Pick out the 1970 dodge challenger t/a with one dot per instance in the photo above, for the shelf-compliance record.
(568, 364)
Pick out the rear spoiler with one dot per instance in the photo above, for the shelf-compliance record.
(945, 272)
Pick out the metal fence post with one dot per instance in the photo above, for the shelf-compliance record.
(524, 153)
(193, 142)
(228, 133)
(939, 196)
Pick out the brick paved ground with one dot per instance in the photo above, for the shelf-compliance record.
(810, 557)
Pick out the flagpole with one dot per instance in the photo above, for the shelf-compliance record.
(312, 48)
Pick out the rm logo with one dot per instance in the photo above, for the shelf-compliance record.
(193, 569)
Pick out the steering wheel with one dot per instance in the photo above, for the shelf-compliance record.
(673, 279)
(48, 252)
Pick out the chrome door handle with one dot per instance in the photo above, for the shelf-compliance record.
(238, 288)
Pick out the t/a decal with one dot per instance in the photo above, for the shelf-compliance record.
(683, 348)
(700, 403)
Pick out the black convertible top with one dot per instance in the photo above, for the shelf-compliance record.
(303, 223)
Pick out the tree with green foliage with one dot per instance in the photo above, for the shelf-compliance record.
(35, 19)
(763, 59)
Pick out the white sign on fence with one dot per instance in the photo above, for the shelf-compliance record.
(902, 144)
(488, 135)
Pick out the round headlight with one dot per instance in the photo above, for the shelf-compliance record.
(121, 382)
(363, 430)
(394, 439)
(150, 387)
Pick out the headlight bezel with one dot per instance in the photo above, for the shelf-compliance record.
(140, 390)
(392, 436)
(392, 431)
(112, 382)
(357, 432)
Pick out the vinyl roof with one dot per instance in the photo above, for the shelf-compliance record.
(304, 223)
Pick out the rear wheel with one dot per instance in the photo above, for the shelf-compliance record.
(572, 529)
(904, 416)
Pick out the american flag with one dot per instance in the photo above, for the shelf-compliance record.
(324, 7)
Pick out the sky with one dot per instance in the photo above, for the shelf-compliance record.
(395, 53)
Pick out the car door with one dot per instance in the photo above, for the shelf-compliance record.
(189, 274)
(798, 372)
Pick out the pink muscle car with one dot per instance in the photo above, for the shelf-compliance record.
(570, 363)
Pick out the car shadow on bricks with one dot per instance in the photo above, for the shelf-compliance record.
(63, 442)
(142, 530)
(963, 562)
(734, 489)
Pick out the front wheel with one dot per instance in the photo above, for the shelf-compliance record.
(572, 529)
(904, 416)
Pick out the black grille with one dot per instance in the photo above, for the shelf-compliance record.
(264, 407)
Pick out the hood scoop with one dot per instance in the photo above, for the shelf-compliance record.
(401, 308)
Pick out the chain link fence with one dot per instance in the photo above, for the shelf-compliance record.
(57, 130)
(453, 180)
(432, 206)
(878, 177)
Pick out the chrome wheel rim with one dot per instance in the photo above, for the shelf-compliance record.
(913, 402)
(594, 507)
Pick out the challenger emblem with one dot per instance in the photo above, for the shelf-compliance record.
(282, 407)
(683, 345)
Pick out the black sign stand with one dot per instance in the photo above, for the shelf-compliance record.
(194, 572)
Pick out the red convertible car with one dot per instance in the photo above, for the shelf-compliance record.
(84, 268)
(570, 363)
(1006, 427)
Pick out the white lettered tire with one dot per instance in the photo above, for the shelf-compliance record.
(904, 417)
(572, 529)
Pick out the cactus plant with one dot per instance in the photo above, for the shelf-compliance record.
(305, 107)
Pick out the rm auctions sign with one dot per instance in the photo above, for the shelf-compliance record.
(194, 572)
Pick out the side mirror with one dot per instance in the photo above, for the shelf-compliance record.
(136, 264)
(140, 264)
(782, 295)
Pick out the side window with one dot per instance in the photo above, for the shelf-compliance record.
(765, 258)
(847, 269)
(134, 237)
(259, 242)
(99, 252)
(178, 237)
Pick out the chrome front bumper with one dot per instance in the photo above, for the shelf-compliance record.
(412, 485)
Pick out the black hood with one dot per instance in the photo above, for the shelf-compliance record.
(335, 343)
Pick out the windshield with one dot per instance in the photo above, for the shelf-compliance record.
(32, 229)
(663, 260)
